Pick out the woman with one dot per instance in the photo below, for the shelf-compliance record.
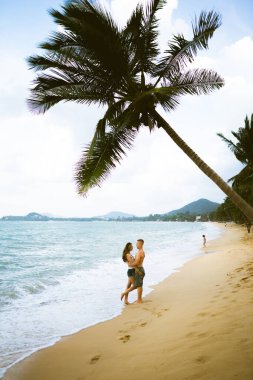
(128, 259)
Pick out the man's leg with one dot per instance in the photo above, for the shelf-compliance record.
(139, 292)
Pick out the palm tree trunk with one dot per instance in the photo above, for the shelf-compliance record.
(246, 209)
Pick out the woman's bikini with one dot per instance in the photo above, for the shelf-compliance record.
(131, 269)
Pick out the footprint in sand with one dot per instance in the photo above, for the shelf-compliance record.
(159, 313)
(202, 314)
(95, 359)
(244, 340)
(214, 314)
(202, 359)
(125, 338)
(143, 324)
(191, 334)
(245, 279)
(239, 269)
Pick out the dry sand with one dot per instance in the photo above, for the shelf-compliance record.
(197, 324)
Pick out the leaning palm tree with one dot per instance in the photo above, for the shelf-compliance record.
(93, 61)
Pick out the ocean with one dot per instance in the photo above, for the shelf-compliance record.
(59, 277)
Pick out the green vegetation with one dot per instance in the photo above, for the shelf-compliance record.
(92, 61)
(243, 181)
(180, 217)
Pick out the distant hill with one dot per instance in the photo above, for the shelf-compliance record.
(32, 216)
(115, 215)
(199, 207)
(35, 217)
(188, 212)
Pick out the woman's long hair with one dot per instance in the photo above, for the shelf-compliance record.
(126, 250)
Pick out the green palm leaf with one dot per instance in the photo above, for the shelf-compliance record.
(197, 82)
(193, 82)
(101, 156)
(243, 147)
(243, 178)
(88, 55)
(182, 51)
(141, 34)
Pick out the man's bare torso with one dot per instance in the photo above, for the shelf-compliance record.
(140, 257)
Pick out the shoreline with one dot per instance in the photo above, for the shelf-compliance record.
(89, 353)
(170, 264)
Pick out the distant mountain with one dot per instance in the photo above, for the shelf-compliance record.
(188, 212)
(199, 207)
(35, 217)
(115, 215)
(32, 216)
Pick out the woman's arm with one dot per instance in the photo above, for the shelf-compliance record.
(129, 258)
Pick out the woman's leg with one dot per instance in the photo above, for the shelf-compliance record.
(130, 287)
(129, 283)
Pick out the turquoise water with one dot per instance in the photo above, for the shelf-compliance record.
(59, 277)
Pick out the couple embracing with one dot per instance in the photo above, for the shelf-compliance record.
(135, 271)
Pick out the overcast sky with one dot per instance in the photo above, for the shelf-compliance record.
(38, 153)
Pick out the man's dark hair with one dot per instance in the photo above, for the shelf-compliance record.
(141, 240)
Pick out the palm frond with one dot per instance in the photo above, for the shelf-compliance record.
(243, 147)
(196, 82)
(243, 178)
(141, 33)
(230, 143)
(49, 90)
(182, 51)
(193, 82)
(96, 31)
(101, 156)
(88, 54)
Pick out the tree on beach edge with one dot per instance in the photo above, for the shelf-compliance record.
(91, 60)
(242, 182)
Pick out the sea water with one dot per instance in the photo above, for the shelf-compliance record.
(59, 277)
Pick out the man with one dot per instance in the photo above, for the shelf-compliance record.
(139, 272)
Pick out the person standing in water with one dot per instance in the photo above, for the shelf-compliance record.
(204, 240)
(128, 259)
(139, 272)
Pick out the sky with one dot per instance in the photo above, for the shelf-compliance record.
(38, 153)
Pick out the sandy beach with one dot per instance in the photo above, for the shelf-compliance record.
(197, 324)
